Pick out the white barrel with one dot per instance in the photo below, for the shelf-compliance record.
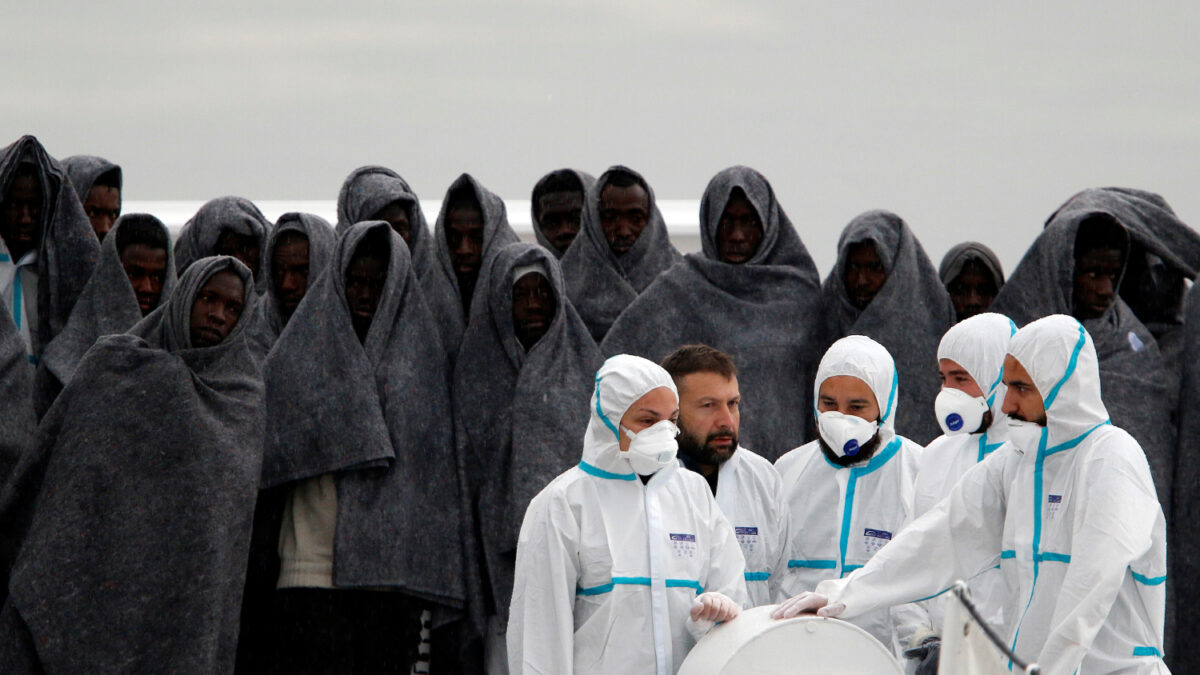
(756, 644)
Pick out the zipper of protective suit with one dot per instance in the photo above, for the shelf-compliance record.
(658, 579)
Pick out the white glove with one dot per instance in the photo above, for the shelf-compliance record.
(709, 609)
(808, 603)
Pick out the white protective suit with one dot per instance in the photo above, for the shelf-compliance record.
(1074, 523)
(841, 516)
(978, 344)
(608, 567)
(750, 494)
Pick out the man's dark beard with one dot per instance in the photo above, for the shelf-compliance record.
(703, 453)
(864, 454)
(985, 423)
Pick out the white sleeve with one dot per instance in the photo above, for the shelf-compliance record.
(1113, 521)
(541, 625)
(956, 539)
(778, 558)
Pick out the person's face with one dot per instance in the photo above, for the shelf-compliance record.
(396, 214)
(464, 235)
(709, 417)
(848, 395)
(1096, 275)
(103, 207)
(624, 212)
(533, 307)
(1023, 401)
(241, 247)
(739, 232)
(559, 219)
(217, 308)
(146, 268)
(22, 215)
(865, 275)
(289, 272)
(657, 405)
(955, 376)
(365, 278)
(972, 291)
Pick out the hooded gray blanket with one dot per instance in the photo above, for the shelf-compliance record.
(908, 316)
(378, 416)
(441, 286)
(268, 322)
(16, 402)
(68, 249)
(83, 170)
(1135, 384)
(198, 238)
(586, 180)
(763, 312)
(970, 251)
(137, 513)
(1184, 552)
(600, 283)
(107, 306)
(520, 416)
(370, 188)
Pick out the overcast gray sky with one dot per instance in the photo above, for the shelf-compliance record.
(971, 120)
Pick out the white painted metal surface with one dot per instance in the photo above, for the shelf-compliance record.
(756, 644)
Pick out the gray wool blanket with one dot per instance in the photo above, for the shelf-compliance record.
(107, 306)
(268, 321)
(198, 238)
(68, 249)
(1184, 552)
(17, 421)
(136, 513)
(763, 312)
(441, 286)
(83, 170)
(378, 416)
(585, 179)
(520, 417)
(970, 251)
(908, 316)
(370, 188)
(1134, 380)
(600, 283)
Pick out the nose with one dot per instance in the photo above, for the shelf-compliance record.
(141, 285)
(725, 419)
(27, 215)
(1104, 287)
(289, 283)
(1010, 405)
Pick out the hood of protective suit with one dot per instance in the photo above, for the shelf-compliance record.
(1058, 353)
(860, 356)
(620, 382)
(979, 345)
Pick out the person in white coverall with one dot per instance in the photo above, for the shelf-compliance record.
(747, 486)
(1068, 511)
(625, 560)
(970, 358)
(850, 491)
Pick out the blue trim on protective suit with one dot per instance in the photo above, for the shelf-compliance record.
(601, 473)
(638, 581)
(813, 564)
(603, 417)
(1070, 368)
(1148, 581)
(848, 507)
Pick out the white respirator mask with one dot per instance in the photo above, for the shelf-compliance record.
(1024, 435)
(959, 412)
(845, 434)
(652, 448)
